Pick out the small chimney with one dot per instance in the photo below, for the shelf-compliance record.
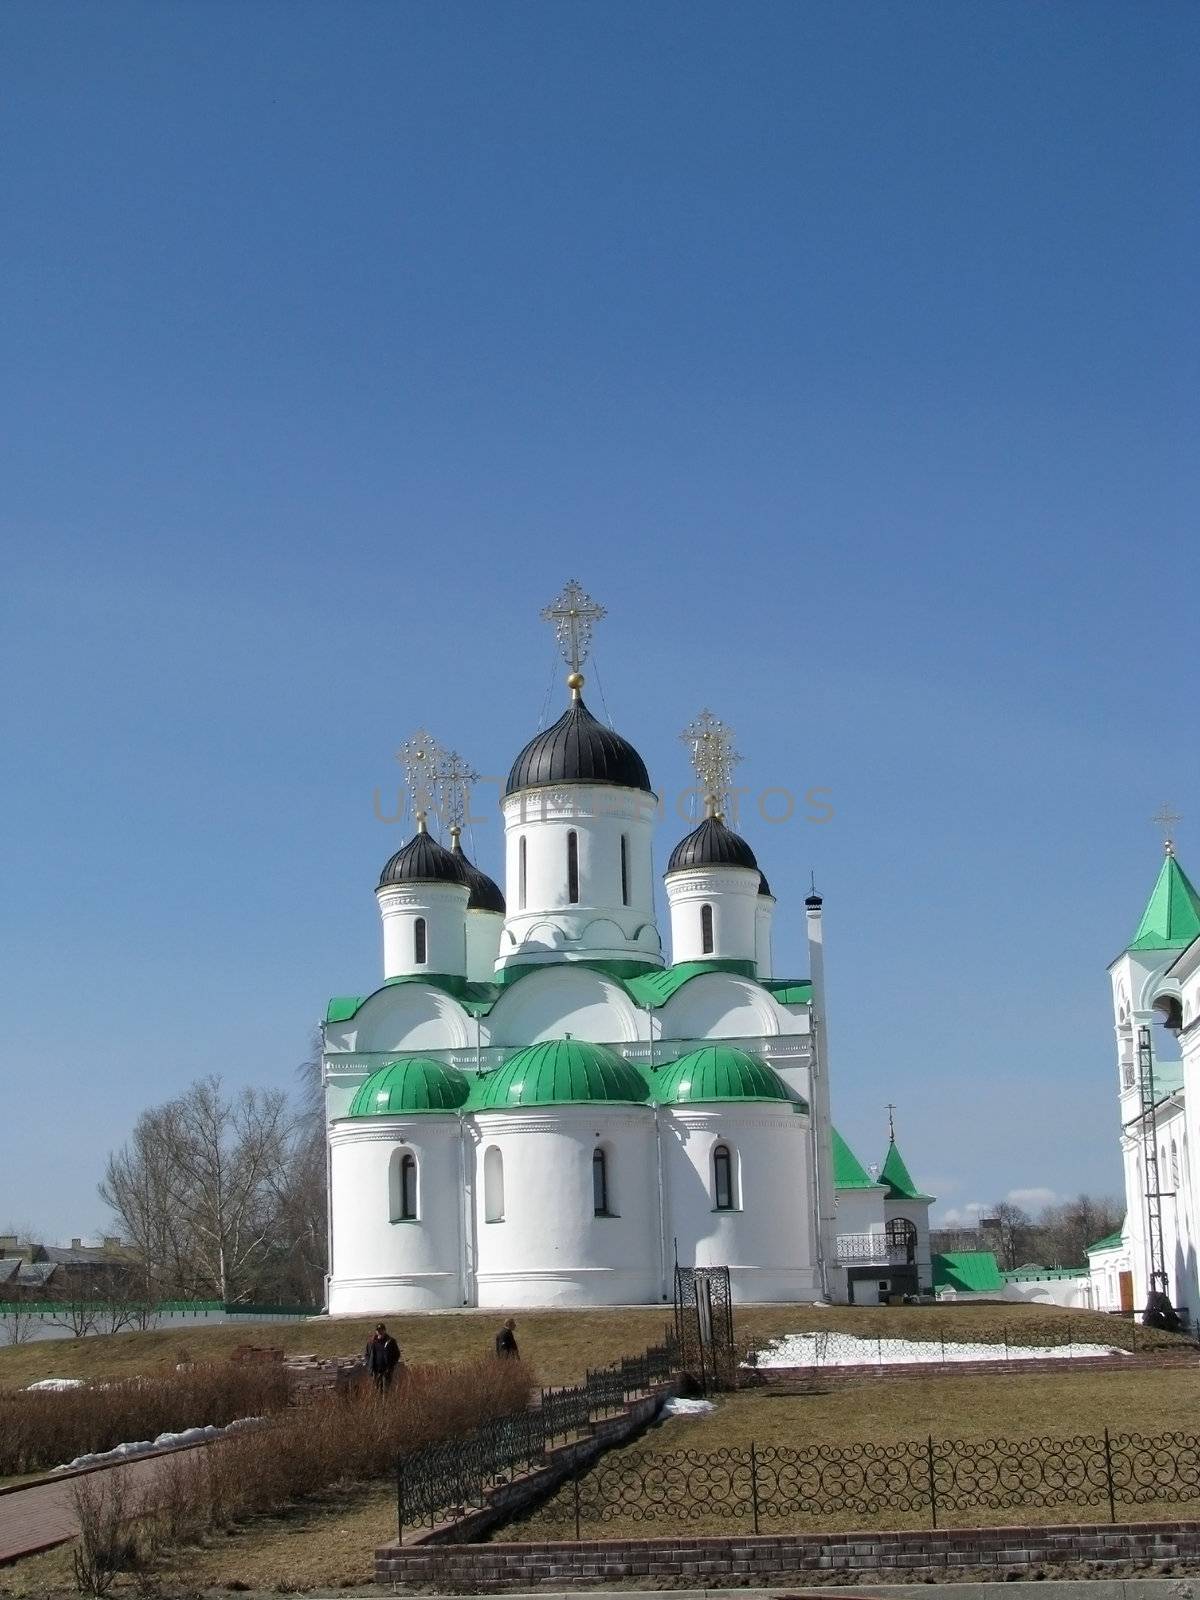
(76, 1244)
(112, 1242)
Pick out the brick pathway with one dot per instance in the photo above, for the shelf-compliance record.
(43, 1515)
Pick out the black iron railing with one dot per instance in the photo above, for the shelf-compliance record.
(775, 1489)
(454, 1475)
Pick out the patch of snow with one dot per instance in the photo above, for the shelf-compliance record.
(686, 1408)
(851, 1350)
(165, 1441)
(56, 1384)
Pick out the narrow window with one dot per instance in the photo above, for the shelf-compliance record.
(408, 1187)
(1174, 1165)
(419, 947)
(493, 1185)
(521, 873)
(402, 1186)
(600, 1183)
(624, 869)
(706, 930)
(723, 1176)
(573, 867)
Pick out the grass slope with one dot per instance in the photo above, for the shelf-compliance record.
(560, 1345)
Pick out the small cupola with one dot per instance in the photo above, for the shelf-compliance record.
(712, 877)
(423, 893)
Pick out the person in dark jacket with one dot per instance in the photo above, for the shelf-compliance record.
(506, 1342)
(382, 1356)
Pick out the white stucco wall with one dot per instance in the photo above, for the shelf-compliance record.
(551, 1248)
(766, 1240)
(443, 906)
(378, 1264)
(732, 892)
(542, 924)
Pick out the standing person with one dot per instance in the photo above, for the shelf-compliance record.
(382, 1356)
(506, 1342)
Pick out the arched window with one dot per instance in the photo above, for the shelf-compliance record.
(902, 1241)
(600, 1183)
(573, 867)
(420, 944)
(723, 1195)
(1174, 1166)
(521, 873)
(624, 869)
(706, 930)
(402, 1184)
(493, 1185)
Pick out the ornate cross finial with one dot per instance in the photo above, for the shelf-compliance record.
(713, 758)
(573, 614)
(454, 778)
(1166, 820)
(891, 1111)
(421, 755)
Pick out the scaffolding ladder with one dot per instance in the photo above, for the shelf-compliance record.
(1156, 1275)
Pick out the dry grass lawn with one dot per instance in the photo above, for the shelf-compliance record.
(559, 1345)
(1025, 1406)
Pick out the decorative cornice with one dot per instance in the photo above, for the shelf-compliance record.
(400, 1129)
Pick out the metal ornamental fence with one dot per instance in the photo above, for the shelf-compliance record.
(454, 1475)
(777, 1489)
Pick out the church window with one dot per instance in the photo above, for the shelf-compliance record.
(706, 930)
(420, 942)
(1174, 1165)
(402, 1184)
(521, 873)
(573, 867)
(723, 1178)
(624, 869)
(600, 1183)
(902, 1241)
(493, 1185)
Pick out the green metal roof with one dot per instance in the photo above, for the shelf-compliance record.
(560, 1072)
(1171, 920)
(848, 1170)
(648, 987)
(1033, 1274)
(720, 1072)
(1110, 1241)
(970, 1271)
(896, 1176)
(413, 1085)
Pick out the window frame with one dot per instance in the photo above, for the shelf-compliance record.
(420, 942)
(624, 869)
(722, 1163)
(572, 867)
(601, 1198)
(707, 930)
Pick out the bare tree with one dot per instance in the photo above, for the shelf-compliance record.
(199, 1189)
(1008, 1230)
(18, 1323)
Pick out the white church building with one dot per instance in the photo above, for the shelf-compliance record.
(540, 1106)
(1156, 1000)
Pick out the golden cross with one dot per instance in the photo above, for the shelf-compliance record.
(573, 614)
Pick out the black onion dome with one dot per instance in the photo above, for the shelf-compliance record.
(422, 860)
(485, 891)
(712, 844)
(764, 888)
(578, 749)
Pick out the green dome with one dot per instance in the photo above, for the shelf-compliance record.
(417, 1084)
(560, 1072)
(719, 1072)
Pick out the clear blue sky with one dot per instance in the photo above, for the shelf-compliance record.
(848, 353)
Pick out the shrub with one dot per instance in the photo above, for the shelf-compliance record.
(46, 1428)
(335, 1440)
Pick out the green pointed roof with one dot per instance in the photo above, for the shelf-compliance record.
(1171, 920)
(415, 1085)
(848, 1170)
(896, 1176)
(720, 1072)
(560, 1072)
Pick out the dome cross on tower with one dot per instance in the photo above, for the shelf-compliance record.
(572, 615)
(455, 779)
(420, 756)
(1166, 820)
(713, 759)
